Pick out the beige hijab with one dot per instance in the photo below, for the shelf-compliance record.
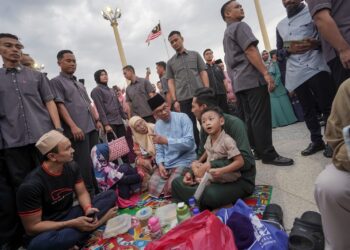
(338, 119)
(144, 140)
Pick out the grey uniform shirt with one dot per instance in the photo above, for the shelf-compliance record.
(108, 106)
(184, 69)
(72, 94)
(340, 11)
(165, 87)
(137, 93)
(24, 117)
(238, 37)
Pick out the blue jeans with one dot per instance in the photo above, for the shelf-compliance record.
(68, 237)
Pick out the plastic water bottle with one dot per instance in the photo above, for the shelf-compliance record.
(182, 212)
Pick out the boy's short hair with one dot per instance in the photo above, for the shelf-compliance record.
(213, 109)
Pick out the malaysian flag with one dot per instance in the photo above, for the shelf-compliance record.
(156, 31)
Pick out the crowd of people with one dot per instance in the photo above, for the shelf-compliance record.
(203, 119)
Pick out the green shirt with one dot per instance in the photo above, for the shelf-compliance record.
(235, 128)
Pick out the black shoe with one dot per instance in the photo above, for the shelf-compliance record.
(328, 151)
(280, 161)
(274, 215)
(313, 148)
(256, 155)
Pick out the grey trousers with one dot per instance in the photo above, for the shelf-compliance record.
(332, 194)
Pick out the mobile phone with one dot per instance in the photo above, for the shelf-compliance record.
(288, 44)
(91, 215)
(346, 134)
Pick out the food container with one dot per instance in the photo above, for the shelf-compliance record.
(167, 215)
(143, 215)
(117, 225)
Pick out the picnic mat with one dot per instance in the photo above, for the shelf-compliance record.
(260, 198)
(137, 238)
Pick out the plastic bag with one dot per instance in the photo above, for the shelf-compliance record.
(267, 236)
(203, 231)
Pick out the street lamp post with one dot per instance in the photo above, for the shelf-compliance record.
(113, 16)
(38, 67)
(262, 25)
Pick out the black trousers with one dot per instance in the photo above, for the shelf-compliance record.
(222, 102)
(82, 156)
(119, 131)
(339, 73)
(319, 90)
(15, 165)
(186, 107)
(255, 109)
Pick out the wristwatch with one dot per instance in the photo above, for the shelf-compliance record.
(59, 130)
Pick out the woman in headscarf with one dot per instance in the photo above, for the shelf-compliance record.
(143, 147)
(109, 108)
(282, 112)
(332, 190)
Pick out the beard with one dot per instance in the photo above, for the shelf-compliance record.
(295, 9)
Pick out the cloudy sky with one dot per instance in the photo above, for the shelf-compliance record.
(47, 26)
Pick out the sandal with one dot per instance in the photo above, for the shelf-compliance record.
(307, 232)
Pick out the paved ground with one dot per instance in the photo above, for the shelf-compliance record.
(293, 186)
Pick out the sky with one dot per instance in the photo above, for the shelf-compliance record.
(47, 26)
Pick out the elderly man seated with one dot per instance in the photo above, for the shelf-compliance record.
(45, 199)
(175, 146)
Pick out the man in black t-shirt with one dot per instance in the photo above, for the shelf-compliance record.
(217, 80)
(45, 199)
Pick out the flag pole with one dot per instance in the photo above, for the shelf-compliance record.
(165, 44)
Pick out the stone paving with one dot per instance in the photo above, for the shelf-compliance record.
(293, 186)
